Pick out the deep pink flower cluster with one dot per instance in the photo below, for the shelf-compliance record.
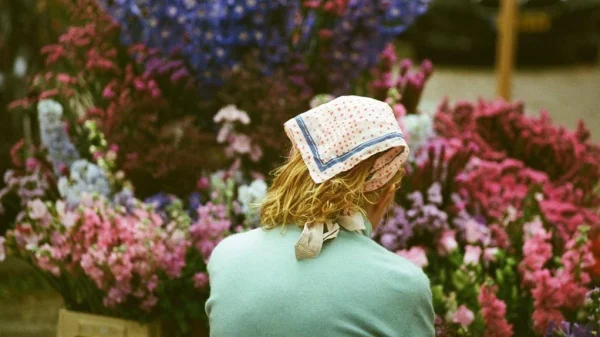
(502, 130)
(493, 311)
(124, 254)
(390, 75)
(492, 187)
(554, 290)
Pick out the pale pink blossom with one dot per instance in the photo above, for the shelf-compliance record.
(472, 255)
(241, 144)
(417, 255)
(463, 316)
(39, 211)
(474, 231)
(447, 243)
(224, 133)
(256, 153)
(115, 296)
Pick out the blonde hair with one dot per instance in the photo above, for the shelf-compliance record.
(294, 198)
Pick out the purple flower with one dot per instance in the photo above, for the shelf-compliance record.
(567, 329)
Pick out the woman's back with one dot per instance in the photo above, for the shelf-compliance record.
(354, 288)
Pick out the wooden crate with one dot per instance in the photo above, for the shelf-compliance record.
(75, 324)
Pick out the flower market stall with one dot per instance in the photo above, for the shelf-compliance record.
(156, 126)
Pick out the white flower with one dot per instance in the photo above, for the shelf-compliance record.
(37, 209)
(20, 66)
(31, 242)
(231, 113)
(69, 220)
(419, 128)
(224, 133)
(251, 195)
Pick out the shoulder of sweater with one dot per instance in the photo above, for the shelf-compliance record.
(231, 246)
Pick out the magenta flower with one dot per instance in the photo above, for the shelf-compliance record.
(210, 228)
(201, 280)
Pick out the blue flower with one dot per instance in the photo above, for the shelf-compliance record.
(61, 151)
(85, 177)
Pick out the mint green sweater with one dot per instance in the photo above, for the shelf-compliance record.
(353, 288)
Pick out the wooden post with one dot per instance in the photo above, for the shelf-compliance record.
(505, 53)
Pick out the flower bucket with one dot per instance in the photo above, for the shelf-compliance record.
(75, 324)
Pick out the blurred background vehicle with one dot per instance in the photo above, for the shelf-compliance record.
(554, 31)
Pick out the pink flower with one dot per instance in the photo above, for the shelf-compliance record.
(416, 255)
(149, 303)
(463, 316)
(2, 249)
(200, 280)
(25, 237)
(536, 251)
(547, 299)
(474, 231)
(115, 296)
(44, 260)
(472, 255)
(489, 254)
(203, 183)
(256, 153)
(37, 209)
(447, 243)
(241, 144)
(493, 311)
(31, 164)
(210, 228)
(152, 283)
(500, 237)
(64, 78)
(399, 110)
